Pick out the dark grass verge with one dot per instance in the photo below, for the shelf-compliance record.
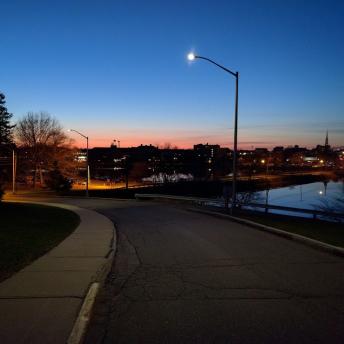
(328, 232)
(28, 231)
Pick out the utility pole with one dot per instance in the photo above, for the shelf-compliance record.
(14, 171)
(87, 163)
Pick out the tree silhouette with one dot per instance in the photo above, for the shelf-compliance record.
(42, 139)
(6, 128)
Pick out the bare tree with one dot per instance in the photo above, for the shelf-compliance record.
(166, 145)
(44, 142)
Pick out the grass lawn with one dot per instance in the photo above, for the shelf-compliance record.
(28, 231)
(328, 232)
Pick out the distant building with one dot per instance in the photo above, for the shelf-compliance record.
(204, 161)
(278, 149)
(211, 161)
(261, 150)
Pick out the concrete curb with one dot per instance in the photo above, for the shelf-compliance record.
(82, 321)
(102, 256)
(338, 251)
(84, 317)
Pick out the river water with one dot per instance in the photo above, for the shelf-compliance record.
(306, 196)
(326, 196)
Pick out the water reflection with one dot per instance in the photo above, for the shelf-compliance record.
(307, 196)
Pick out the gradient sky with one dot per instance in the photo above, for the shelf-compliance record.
(118, 69)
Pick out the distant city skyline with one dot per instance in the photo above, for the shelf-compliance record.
(119, 71)
(170, 145)
(189, 145)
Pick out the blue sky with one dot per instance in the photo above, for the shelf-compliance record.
(118, 69)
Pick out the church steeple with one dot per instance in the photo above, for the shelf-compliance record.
(326, 139)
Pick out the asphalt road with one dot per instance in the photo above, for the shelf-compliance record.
(185, 277)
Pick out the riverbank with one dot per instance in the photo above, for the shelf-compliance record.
(327, 232)
(209, 189)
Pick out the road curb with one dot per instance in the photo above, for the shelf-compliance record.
(335, 250)
(83, 319)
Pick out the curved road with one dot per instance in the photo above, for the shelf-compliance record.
(182, 277)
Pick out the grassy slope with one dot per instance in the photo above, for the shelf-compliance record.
(328, 232)
(28, 231)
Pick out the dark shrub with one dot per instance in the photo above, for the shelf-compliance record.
(57, 181)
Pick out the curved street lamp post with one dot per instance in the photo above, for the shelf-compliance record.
(87, 166)
(192, 57)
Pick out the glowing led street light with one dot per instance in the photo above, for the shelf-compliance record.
(192, 57)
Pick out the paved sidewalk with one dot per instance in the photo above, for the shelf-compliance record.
(40, 303)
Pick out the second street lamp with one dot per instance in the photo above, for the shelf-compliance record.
(87, 165)
(192, 57)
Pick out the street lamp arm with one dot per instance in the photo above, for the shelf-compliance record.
(84, 136)
(191, 57)
(216, 64)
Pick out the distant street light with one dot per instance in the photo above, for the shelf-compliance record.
(87, 166)
(192, 57)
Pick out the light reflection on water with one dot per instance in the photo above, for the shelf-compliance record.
(313, 196)
(306, 196)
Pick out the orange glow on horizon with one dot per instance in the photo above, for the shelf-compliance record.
(181, 143)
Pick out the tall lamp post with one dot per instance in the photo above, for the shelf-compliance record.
(14, 171)
(192, 57)
(87, 165)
